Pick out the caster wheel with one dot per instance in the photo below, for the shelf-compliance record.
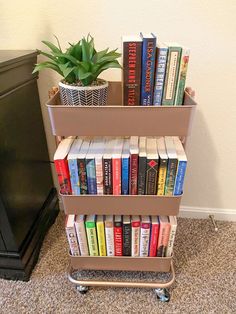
(162, 294)
(82, 289)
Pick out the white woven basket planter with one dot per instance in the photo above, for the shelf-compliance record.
(83, 95)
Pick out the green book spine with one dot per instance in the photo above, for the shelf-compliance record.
(182, 77)
(92, 238)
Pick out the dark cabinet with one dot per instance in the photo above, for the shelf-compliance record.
(28, 201)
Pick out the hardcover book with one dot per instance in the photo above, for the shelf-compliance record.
(144, 236)
(142, 164)
(101, 235)
(164, 234)
(81, 162)
(109, 231)
(132, 52)
(91, 169)
(173, 228)
(61, 165)
(133, 174)
(90, 223)
(125, 160)
(99, 147)
(161, 60)
(107, 166)
(116, 166)
(81, 234)
(163, 162)
(73, 167)
(71, 235)
(152, 167)
(154, 236)
(118, 235)
(135, 232)
(126, 236)
(148, 68)
(182, 76)
(182, 165)
(172, 74)
(172, 165)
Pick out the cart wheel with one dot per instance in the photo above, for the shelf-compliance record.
(82, 289)
(162, 294)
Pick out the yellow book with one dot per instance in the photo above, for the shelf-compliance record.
(90, 224)
(163, 166)
(101, 235)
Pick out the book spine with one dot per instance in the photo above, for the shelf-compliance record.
(109, 230)
(132, 73)
(63, 175)
(107, 168)
(92, 238)
(162, 177)
(163, 240)
(116, 176)
(153, 240)
(141, 175)
(99, 175)
(151, 176)
(148, 67)
(162, 54)
(82, 176)
(118, 238)
(91, 176)
(170, 176)
(135, 238)
(127, 239)
(73, 243)
(82, 239)
(172, 74)
(144, 239)
(179, 181)
(101, 239)
(74, 176)
(171, 241)
(182, 77)
(133, 177)
(125, 176)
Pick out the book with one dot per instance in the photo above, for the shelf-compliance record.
(126, 236)
(73, 167)
(148, 68)
(101, 235)
(154, 236)
(142, 164)
(164, 233)
(181, 168)
(118, 235)
(163, 162)
(109, 231)
(98, 154)
(90, 224)
(61, 165)
(135, 235)
(182, 76)
(133, 171)
(107, 166)
(125, 160)
(152, 167)
(161, 60)
(173, 228)
(172, 74)
(144, 236)
(71, 235)
(91, 169)
(132, 53)
(81, 162)
(116, 166)
(81, 234)
(172, 165)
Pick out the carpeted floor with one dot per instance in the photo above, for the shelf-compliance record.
(205, 278)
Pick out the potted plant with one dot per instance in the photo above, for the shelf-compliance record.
(80, 65)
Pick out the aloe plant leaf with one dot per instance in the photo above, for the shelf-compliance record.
(99, 55)
(58, 42)
(48, 55)
(51, 46)
(68, 57)
(65, 69)
(47, 65)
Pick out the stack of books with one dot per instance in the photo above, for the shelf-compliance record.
(121, 166)
(144, 236)
(154, 73)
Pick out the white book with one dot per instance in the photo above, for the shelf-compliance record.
(152, 152)
(144, 236)
(135, 235)
(173, 228)
(99, 147)
(63, 148)
(109, 232)
(161, 147)
(81, 235)
(71, 235)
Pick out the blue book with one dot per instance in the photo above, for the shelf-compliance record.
(91, 170)
(148, 68)
(162, 54)
(73, 166)
(125, 156)
(182, 165)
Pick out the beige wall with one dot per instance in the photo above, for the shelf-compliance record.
(207, 27)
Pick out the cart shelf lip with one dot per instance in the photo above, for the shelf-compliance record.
(121, 204)
(129, 263)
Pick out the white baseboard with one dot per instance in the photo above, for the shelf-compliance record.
(203, 213)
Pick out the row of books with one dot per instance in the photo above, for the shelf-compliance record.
(146, 236)
(153, 73)
(121, 166)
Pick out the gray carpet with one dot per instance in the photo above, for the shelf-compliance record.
(205, 278)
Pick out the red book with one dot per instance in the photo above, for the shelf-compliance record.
(116, 166)
(154, 236)
(118, 235)
(61, 165)
(133, 175)
(164, 234)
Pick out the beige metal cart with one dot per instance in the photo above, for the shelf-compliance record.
(117, 120)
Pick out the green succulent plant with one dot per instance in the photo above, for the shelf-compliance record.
(80, 62)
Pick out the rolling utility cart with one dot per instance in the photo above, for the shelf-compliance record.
(117, 120)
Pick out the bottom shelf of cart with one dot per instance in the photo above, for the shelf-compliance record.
(127, 263)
